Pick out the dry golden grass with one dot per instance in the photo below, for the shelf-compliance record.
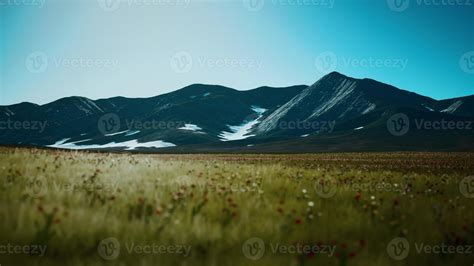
(350, 205)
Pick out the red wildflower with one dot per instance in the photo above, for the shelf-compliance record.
(357, 197)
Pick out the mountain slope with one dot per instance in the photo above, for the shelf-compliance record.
(335, 113)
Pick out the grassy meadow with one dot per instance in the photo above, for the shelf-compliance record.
(81, 208)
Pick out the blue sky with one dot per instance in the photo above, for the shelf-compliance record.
(142, 48)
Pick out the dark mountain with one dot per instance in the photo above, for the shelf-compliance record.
(337, 113)
(338, 98)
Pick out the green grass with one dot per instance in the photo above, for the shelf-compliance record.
(70, 201)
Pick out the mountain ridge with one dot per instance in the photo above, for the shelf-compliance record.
(206, 115)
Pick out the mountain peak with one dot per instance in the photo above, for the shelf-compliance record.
(333, 75)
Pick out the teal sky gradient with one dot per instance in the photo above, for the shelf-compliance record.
(277, 44)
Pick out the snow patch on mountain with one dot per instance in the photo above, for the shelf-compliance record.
(242, 131)
(371, 107)
(127, 145)
(342, 92)
(271, 121)
(428, 108)
(190, 127)
(116, 133)
(453, 107)
(132, 132)
(88, 106)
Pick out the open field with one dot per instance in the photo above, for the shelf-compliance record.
(80, 208)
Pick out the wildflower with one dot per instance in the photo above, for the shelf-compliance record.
(304, 191)
(158, 210)
(372, 197)
(310, 204)
(357, 197)
(298, 221)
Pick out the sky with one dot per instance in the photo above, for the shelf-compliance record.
(51, 49)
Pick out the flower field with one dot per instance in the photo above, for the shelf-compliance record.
(81, 208)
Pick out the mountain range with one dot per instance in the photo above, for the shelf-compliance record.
(337, 113)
